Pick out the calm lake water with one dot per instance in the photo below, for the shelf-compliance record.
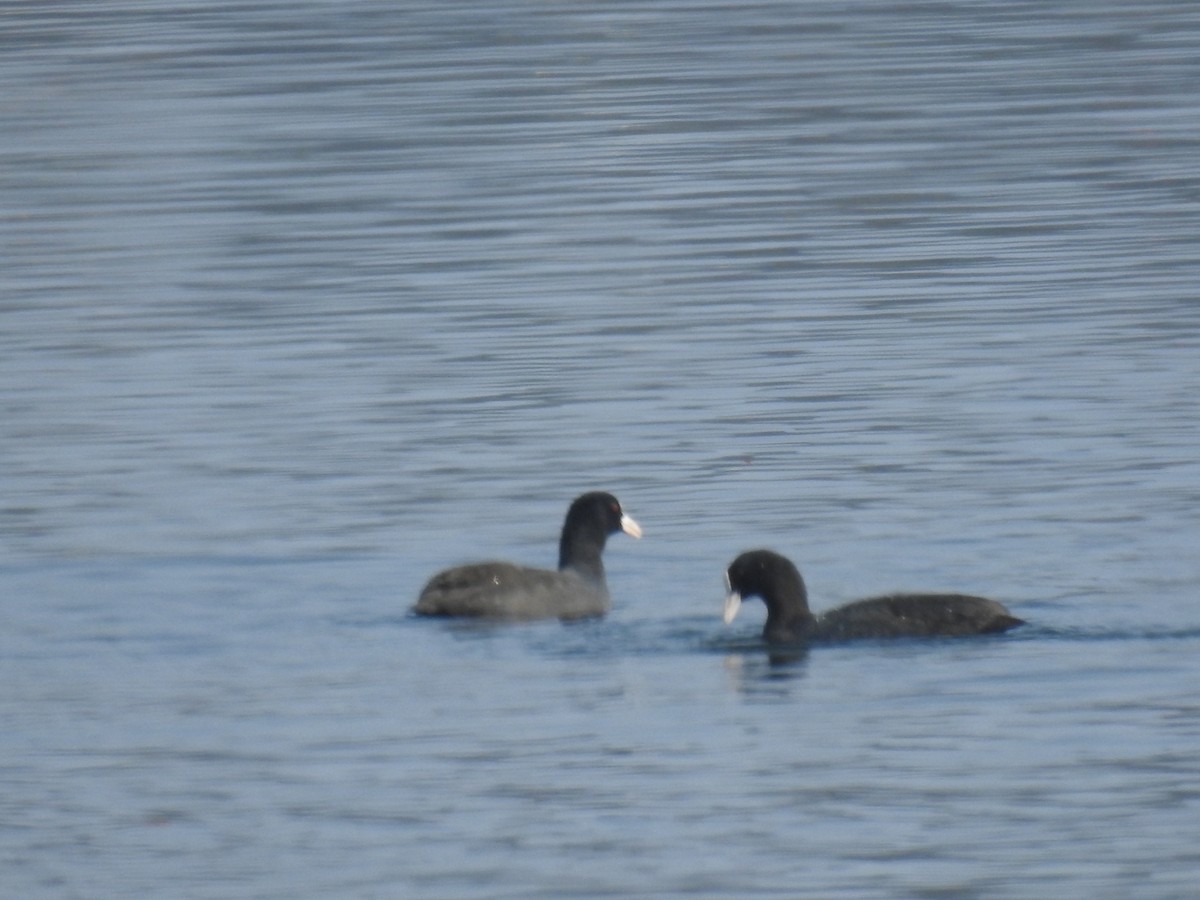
(301, 302)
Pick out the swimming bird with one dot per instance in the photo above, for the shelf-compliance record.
(776, 579)
(504, 590)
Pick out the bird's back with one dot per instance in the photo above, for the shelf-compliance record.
(916, 615)
(499, 590)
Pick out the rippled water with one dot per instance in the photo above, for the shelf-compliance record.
(301, 302)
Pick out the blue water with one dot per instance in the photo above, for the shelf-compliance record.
(302, 302)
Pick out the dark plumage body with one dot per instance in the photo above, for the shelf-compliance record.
(773, 577)
(503, 590)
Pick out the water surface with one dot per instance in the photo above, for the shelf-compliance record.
(302, 302)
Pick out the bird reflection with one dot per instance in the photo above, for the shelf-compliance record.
(763, 672)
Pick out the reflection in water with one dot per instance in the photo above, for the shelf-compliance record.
(767, 672)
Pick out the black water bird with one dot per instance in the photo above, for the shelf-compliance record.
(503, 590)
(774, 578)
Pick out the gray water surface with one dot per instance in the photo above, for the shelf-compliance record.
(302, 302)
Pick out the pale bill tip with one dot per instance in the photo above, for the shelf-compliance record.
(630, 527)
(733, 602)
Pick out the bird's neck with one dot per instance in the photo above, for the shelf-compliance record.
(788, 626)
(788, 615)
(582, 556)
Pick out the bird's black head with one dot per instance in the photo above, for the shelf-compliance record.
(590, 520)
(766, 574)
(603, 510)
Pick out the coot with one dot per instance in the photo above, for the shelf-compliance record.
(502, 590)
(766, 574)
